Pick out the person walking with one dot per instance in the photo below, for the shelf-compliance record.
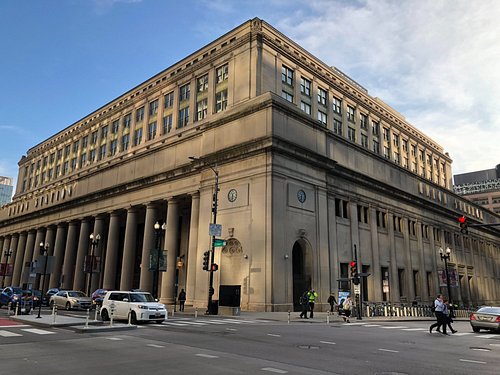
(312, 295)
(347, 307)
(304, 303)
(181, 299)
(439, 308)
(332, 301)
(449, 314)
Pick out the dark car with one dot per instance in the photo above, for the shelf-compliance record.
(98, 296)
(13, 296)
(50, 293)
(35, 296)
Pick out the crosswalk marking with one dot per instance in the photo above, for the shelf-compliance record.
(38, 331)
(394, 327)
(357, 324)
(486, 336)
(370, 325)
(8, 334)
(415, 329)
(462, 334)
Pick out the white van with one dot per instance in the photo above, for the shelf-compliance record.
(140, 306)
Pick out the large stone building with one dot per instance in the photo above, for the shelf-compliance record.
(310, 168)
(6, 190)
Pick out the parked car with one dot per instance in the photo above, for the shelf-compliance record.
(35, 296)
(70, 299)
(98, 296)
(140, 306)
(13, 296)
(486, 317)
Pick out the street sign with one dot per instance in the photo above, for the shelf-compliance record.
(215, 230)
(357, 289)
(219, 243)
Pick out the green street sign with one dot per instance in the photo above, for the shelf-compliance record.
(219, 243)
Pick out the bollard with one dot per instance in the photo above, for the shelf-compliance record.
(17, 308)
(195, 312)
(166, 313)
(87, 319)
(173, 313)
(328, 317)
(97, 309)
(111, 318)
(54, 313)
(8, 309)
(288, 316)
(129, 317)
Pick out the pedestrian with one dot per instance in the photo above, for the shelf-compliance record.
(347, 307)
(304, 304)
(312, 295)
(341, 309)
(440, 317)
(182, 299)
(332, 301)
(449, 314)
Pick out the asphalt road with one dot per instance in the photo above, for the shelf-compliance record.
(218, 345)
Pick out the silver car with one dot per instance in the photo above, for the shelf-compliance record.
(71, 299)
(487, 317)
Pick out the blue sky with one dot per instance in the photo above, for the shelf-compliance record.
(436, 62)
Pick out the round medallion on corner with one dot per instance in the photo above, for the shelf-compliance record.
(301, 196)
(232, 195)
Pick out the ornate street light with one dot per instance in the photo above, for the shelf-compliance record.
(7, 254)
(445, 255)
(159, 227)
(94, 242)
(44, 251)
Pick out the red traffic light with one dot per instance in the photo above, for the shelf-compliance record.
(353, 264)
(462, 219)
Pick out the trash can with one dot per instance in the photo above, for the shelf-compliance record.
(213, 309)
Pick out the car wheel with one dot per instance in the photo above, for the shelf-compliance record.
(159, 321)
(68, 306)
(104, 315)
(133, 318)
(476, 329)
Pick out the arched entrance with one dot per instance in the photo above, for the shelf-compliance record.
(302, 270)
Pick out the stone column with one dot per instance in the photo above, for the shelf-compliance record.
(28, 256)
(112, 248)
(99, 229)
(129, 250)
(410, 291)
(70, 257)
(59, 247)
(393, 273)
(83, 246)
(146, 281)
(19, 254)
(192, 255)
(376, 278)
(171, 244)
(5, 241)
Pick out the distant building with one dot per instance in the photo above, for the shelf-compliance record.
(6, 188)
(480, 187)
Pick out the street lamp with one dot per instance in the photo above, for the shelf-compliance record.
(445, 255)
(44, 251)
(7, 254)
(159, 227)
(94, 241)
(214, 212)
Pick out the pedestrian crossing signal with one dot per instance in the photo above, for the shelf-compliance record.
(463, 224)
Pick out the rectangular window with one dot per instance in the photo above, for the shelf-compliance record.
(113, 146)
(375, 128)
(75, 150)
(183, 117)
(184, 92)
(395, 140)
(83, 161)
(167, 123)
(305, 107)
(322, 117)
(362, 214)
(222, 73)
(66, 167)
(92, 155)
(337, 106)
(73, 164)
(201, 109)
(125, 142)
(94, 137)
(287, 75)
(401, 282)
(202, 83)
(151, 131)
(102, 152)
(127, 120)
(59, 157)
(104, 132)
(364, 140)
(405, 145)
(351, 134)
(287, 96)
(221, 101)
(322, 96)
(397, 158)
(153, 107)
(363, 121)
(305, 86)
(414, 151)
(115, 126)
(387, 152)
(138, 137)
(337, 126)
(376, 147)
(139, 115)
(386, 134)
(67, 150)
(350, 113)
(169, 100)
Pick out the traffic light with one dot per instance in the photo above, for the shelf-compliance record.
(214, 267)
(463, 224)
(354, 268)
(206, 260)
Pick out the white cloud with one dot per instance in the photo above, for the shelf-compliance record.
(436, 62)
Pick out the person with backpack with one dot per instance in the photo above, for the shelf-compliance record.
(347, 307)
(332, 301)
(304, 303)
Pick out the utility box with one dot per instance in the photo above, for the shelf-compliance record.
(230, 295)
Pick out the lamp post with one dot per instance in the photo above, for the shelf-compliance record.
(214, 221)
(44, 251)
(158, 230)
(94, 241)
(7, 254)
(445, 255)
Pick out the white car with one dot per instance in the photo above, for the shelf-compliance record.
(139, 306)
(70, 299)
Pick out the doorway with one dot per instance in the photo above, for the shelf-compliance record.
(302, 271)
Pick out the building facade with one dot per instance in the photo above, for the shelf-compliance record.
(6, 190)
(480, 187)
(311, 169)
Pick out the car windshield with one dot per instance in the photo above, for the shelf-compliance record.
(141, 297)
(17, 290)
(76, 294)
(489, 310)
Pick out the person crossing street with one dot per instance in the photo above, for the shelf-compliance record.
(312, 295)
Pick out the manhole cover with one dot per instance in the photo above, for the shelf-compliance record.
(308, 347)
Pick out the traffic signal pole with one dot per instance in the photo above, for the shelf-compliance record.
(212, 251)
(356, 281)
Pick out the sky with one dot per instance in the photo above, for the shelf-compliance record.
(437, 62)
